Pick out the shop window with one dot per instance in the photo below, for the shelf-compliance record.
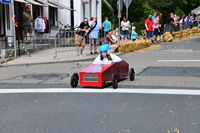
(37, 11)
(53, 16)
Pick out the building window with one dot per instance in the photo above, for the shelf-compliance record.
(37, 11)
(53, 15)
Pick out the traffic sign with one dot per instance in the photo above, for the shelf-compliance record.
(127, 3)
(7, 1)
(121, 5)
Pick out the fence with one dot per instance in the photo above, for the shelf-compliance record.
(66, 41)
(173, 28)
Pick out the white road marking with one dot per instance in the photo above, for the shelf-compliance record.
(178, 60)
(119, 90)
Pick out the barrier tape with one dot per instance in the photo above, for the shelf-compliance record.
(25, 49)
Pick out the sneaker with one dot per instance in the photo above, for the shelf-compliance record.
(83, 55)
(79, 55)
(91, 53)
(96, 53)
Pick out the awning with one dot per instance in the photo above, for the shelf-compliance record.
(22, 1)
(47, 3)
(35, 3)
(62, 6)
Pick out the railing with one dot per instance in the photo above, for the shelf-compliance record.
(173, 28)
(72, 41)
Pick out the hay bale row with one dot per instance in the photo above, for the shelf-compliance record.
(133, 46)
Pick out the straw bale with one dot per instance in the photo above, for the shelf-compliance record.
(168, 38)
(184, 37)
(176, 39)
(166, 34)
(136, 45)
(127, 47)
(185, 34)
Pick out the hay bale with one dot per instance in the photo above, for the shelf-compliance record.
(136, 45)
(184, 37)
(176, 39)
(166, 34)
(184, 34)
(168, 38)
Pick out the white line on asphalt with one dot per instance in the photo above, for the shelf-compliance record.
(122, 90)
(178, 60)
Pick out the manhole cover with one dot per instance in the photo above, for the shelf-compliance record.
(46, 76)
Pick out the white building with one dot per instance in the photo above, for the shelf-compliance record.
(70, 12)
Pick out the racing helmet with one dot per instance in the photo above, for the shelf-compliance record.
(105, 47)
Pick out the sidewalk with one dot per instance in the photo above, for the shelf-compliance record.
(47, 57)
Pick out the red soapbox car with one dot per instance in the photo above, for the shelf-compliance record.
(100, 75)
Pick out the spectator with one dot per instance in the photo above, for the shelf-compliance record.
(125, 24)
(133, 34)
(181, 23)
(160, 27)
(156, 29)
(80, 37)
(93, 36)
(149, 28)
(111, 42)
(170, 19)
(116, 33)
(154, 16)
(106, 25)
(27, 25)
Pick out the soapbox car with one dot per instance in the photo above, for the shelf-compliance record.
(100, 75)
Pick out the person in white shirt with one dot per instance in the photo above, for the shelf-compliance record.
(105, 55)
(125, 24)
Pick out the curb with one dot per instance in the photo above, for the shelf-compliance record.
(54, 62)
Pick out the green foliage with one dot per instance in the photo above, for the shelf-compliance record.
(179, 11)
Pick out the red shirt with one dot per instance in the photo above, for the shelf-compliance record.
(108, 39)
(149, 24)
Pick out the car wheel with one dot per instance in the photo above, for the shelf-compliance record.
(114, 81)
(131, 74)
(74, 80)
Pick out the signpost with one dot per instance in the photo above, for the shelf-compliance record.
(119, 4)
(127, 4)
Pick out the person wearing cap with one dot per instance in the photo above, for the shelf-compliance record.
(110, 41)
(106, 56)
(133, 34)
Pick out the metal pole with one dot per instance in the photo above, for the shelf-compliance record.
(14, 35)
(119, 20)
(126, 13)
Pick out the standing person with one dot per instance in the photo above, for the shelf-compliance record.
(160, 27)
(27, 25)
(93, 35)
(80, 37)
(181, 23)
(154, 16)
(156, 29)
(125, 24)
(110, 41)
(133, 34)
(106, 25)
(149, 28)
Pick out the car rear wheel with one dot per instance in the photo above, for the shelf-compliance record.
(74, 80)
(114, 81)
(131, 74)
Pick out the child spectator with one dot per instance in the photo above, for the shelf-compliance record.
(133, 34)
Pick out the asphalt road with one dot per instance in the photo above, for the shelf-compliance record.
(168, 66)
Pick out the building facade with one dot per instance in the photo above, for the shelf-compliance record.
(68, 12)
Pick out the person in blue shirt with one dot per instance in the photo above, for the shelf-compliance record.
(154, 16)
(133, 34)
(106, 25)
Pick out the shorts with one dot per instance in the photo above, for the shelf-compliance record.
(149, 34)
(27, 29)
(94, 41)
(124, 32)
(79, 40)
(156, 32)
